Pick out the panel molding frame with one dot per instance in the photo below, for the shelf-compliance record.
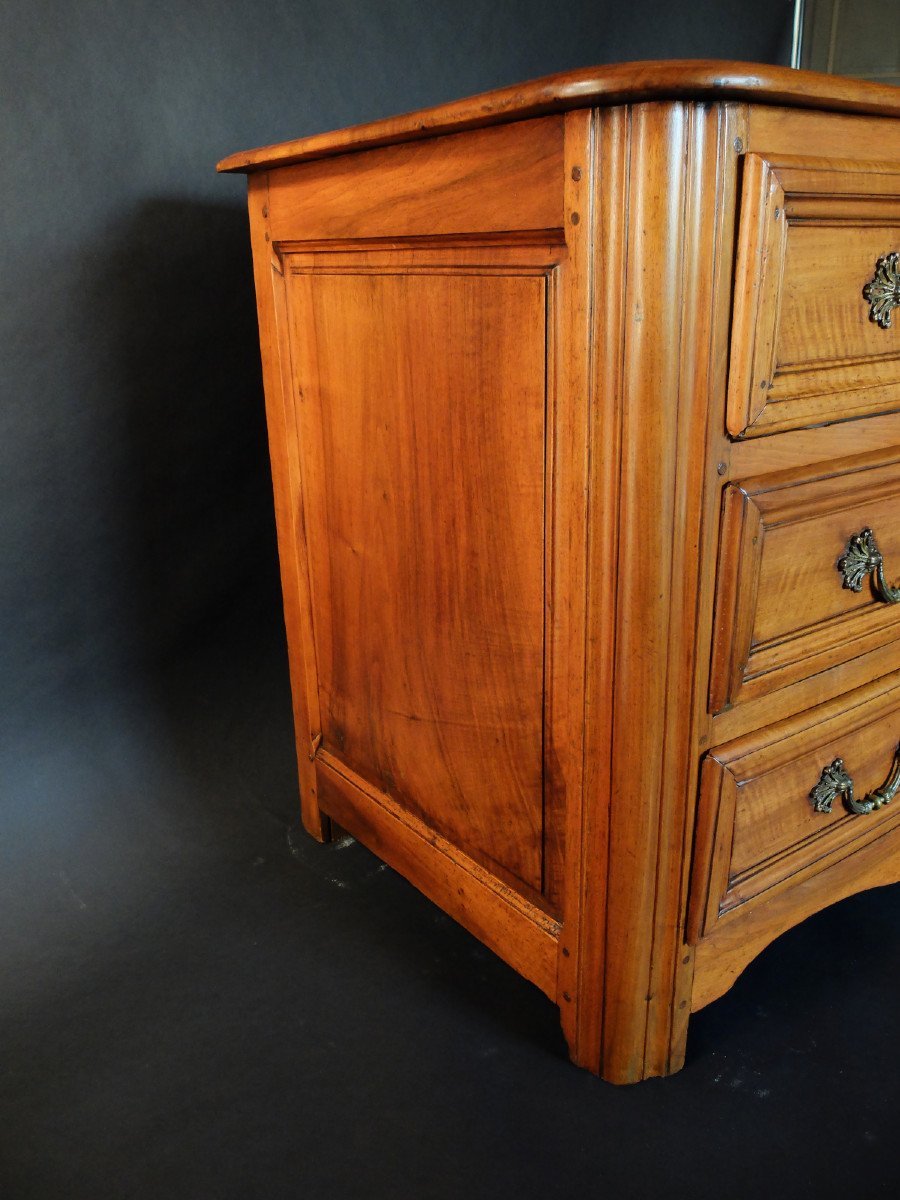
(522, 933)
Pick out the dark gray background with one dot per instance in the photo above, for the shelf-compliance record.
(195, 1000)
(135, 502)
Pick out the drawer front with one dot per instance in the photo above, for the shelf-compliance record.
(791, 800)
(799, 590)
(815, 333)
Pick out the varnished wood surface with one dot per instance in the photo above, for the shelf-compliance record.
(430, 447)
(289, 517)
(774, 132)
(656, 374)
(806, 447)
(566, 802)
(622, 83)
(508, 374)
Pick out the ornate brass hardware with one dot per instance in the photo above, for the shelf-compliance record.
(835, 781)
(861, 558)
(883, 292)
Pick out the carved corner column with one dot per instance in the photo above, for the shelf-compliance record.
(662, 242)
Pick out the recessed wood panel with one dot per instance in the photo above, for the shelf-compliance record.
(421, 407)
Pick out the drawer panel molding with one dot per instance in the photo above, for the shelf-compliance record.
(764, 822)
(804, 350)
(796, 551)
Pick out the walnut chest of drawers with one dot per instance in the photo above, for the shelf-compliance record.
(584, 412)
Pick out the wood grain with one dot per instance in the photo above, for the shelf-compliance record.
(728, 950)
(584, 929)
(665, 219)
(486, 181)
(569, 382)
(568, 644)
(759, 272)
(805, 447)
(775, 131)
(289, 516)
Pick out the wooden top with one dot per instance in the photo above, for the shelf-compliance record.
(623, 83)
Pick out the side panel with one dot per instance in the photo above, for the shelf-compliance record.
(426, 343)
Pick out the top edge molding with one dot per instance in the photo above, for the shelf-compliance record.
(623, 83)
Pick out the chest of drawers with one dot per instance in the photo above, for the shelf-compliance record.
(584, 412)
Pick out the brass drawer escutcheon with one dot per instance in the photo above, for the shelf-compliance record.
(883, 292)
(836, 781)
(861, 558)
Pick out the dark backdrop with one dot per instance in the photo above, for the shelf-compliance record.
(196, 1001)
(135, 501)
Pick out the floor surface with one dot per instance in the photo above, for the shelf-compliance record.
(198, 1001)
